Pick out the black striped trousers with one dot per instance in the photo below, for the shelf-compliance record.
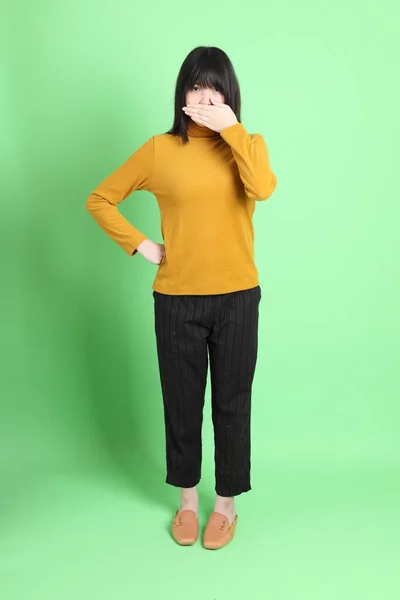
(190, 329)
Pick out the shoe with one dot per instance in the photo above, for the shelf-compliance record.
(218, 532)
(185, 527)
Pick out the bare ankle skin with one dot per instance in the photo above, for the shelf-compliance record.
(189, 500)
(225, 506)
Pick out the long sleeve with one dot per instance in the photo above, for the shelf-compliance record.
(134, 174)
(251, 155)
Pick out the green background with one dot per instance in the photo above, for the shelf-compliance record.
(84, 510)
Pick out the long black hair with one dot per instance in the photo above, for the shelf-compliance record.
(210, 67)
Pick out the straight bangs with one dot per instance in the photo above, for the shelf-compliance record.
(208, 74)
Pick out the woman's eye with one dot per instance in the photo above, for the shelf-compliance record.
(197, 87)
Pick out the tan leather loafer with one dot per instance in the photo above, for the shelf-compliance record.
(185, 527)
(218, 532)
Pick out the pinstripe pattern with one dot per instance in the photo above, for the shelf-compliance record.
(192, 333)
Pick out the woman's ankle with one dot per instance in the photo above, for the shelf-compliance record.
(189, 499)
(225, 506)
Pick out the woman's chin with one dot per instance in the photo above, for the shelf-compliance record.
(200, 124)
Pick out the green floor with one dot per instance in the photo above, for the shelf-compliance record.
(303, 534)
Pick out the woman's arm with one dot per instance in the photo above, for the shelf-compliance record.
(251, 155)
(134, 174)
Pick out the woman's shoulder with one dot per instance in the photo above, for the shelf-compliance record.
(166, 138)
(166, 142)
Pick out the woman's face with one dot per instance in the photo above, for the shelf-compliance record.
(202, 95)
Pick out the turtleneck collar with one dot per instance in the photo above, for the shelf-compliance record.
(195, 130)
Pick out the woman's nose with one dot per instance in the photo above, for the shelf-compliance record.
(205, 96)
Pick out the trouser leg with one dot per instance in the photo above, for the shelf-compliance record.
(181, 334)
(233, 345)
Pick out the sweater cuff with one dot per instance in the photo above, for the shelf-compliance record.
(130, 246)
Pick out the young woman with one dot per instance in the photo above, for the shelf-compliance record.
(207, 172)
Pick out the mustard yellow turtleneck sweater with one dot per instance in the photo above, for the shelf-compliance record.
(206, 192)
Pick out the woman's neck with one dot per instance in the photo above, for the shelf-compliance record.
(195, 130)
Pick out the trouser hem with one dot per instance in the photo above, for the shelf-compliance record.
(175, 482)
(230, 492)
